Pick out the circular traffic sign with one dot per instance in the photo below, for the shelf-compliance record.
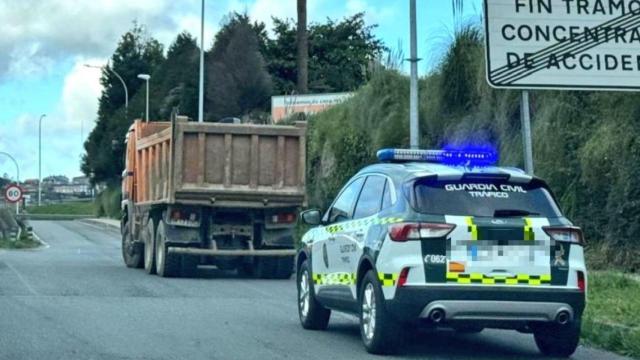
(13, 193)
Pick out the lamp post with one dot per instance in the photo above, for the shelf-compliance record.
(40, 159)
(124, 85)
(201, 80)
(146, 78)
(414, 123)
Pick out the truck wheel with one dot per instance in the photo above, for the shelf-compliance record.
(167, 265)
(148, 237)
(274, 267)
(132, 252)
(380, 332)
(284, 267)
(312, 315)
(557, 340)
(189, 265)
(265, 267)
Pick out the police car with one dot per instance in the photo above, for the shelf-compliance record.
(444, 239)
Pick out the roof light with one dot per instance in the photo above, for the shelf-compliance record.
(448, 157)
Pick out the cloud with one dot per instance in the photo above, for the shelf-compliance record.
(63, 129)
(36, 33)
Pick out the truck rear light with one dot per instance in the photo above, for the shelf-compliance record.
(570, 234)
(582, 285)
(283, 218)
(402, 278)
(416, 231)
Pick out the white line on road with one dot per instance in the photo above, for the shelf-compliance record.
(22, 279)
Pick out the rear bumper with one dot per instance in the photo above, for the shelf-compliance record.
(488, 305)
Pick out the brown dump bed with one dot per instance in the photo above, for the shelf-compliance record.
(226, 165)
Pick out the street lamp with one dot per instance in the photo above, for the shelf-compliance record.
(146, 78)
(201, 80)
(40, 159)
(124, 85)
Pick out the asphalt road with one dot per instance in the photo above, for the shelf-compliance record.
(76, 300)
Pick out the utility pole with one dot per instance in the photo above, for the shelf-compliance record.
(414, 125)
(40, 159)
(201, 84)
(525, 117)
(302, 39)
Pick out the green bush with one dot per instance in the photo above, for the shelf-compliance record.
(108, 202)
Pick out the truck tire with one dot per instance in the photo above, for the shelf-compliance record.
(558, 340)
(313, 316)
(380, 332)
(189, 265)
(265, 267)
(167, 265)
(148, 236)
(280, 267)
(132, 253)
(284, 267)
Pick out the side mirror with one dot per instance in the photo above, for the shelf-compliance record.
(311, 217)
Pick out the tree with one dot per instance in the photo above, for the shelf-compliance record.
(136, 53)
(238, 82)
(303, 48)
(175, 83)
(340, 55)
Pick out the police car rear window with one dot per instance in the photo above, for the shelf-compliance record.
(493, 198)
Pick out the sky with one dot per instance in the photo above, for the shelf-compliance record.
(45, 44)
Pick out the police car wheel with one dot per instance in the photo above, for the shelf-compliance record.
(380, 332)
(313, 316)
(557, 340)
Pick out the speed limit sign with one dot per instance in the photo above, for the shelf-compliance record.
(13, 193)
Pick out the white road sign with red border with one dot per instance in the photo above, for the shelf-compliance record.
(13, 193)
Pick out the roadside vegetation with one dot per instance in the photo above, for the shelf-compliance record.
(612, 318)
(64, 208)
(23, 243)
(107, 203)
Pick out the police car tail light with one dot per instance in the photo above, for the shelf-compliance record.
(402, 278)
(582, 284)
(570, 234)
(417, 231)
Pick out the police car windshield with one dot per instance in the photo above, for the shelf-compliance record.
(494, 198)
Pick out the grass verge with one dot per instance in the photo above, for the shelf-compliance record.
(612, 318)
(66, 208)
(23, 243)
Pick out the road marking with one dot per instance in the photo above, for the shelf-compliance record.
(22, 279)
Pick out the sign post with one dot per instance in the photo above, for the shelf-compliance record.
(561, 45)
(13, 194)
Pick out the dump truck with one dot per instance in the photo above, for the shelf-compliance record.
(219, 194)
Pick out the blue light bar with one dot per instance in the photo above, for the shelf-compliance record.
(472, 158)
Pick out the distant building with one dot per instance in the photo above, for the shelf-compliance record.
(80, 180)
(55, 180)
(284, 106)
(72, 189)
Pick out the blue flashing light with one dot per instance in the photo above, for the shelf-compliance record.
(471, 157)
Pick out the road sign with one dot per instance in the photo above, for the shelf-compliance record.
(563, 44)
(13, 193)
